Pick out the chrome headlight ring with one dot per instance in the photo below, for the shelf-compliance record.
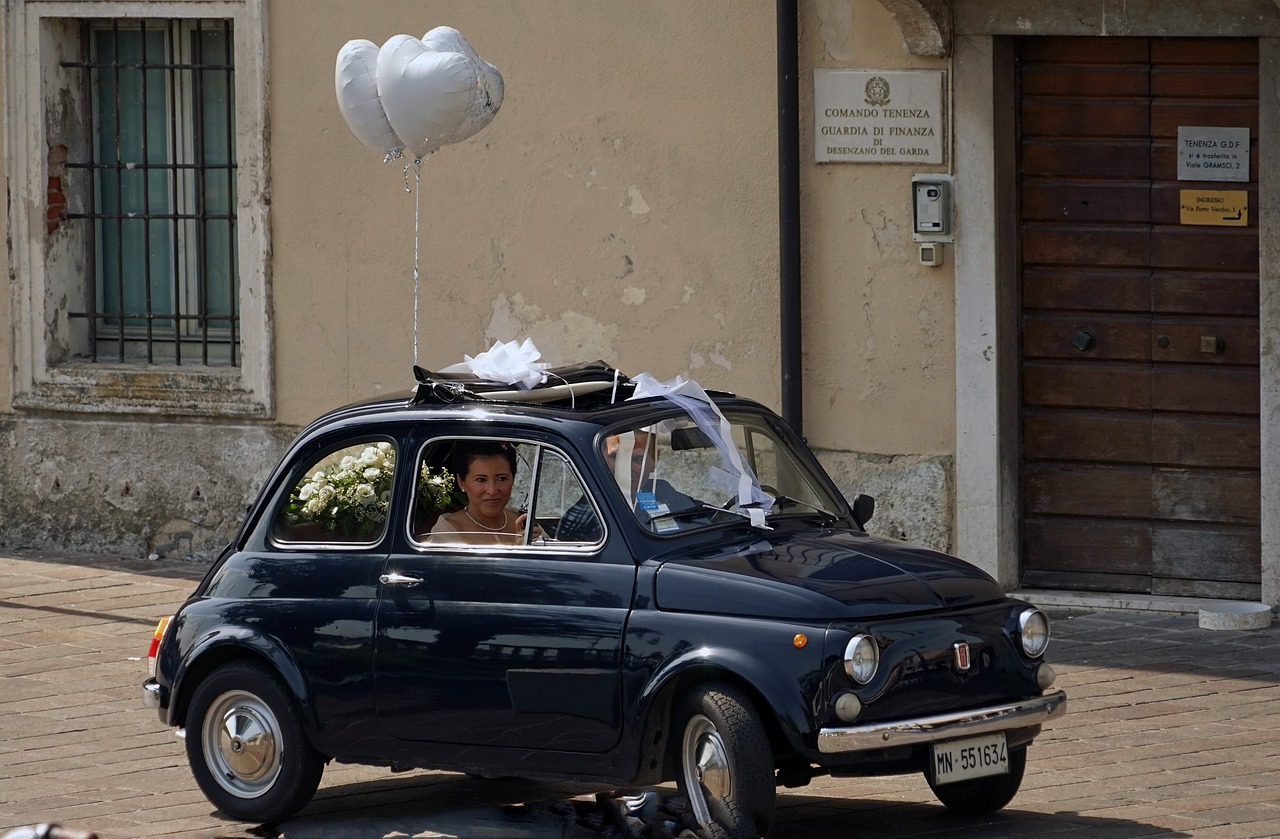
(861, 658)
(1033, 632)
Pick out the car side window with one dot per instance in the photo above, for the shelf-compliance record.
(497, 492)
(342, 496)
(562, 507)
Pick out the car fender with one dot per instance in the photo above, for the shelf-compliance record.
(229, 643)
(777, 690)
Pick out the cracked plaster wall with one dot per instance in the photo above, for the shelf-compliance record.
(170, 489)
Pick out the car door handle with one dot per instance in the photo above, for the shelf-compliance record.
(395, 579)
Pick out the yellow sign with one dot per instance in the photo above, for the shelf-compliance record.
(1224, 207)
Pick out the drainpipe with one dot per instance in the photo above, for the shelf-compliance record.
(789, 213)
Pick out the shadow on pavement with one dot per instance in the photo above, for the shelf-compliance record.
(513, 809)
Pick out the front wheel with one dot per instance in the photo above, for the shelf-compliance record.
(982, 796)
(726, 765)
(246, 748)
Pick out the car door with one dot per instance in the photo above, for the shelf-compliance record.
(506, 645)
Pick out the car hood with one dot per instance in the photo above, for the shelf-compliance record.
(825, 575)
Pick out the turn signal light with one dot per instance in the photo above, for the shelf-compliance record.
(154, 648)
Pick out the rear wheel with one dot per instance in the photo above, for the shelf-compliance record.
(981, 796)
(246, 748)
(726, 765)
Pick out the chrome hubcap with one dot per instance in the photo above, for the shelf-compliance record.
(706, 766)
(241, 739)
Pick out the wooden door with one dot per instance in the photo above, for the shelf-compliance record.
(1139, 382)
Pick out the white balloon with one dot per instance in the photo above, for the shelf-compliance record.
(356, 83)
(434, 97)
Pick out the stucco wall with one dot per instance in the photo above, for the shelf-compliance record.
(622, 205)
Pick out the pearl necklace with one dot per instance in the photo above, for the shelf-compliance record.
(503, 526)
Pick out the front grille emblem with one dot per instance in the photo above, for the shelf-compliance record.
(962, 655)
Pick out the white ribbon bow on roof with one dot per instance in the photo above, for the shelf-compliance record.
(509, 363)
(753, 502)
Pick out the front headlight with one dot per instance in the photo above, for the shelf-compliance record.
(1033, 632)
(861, 658)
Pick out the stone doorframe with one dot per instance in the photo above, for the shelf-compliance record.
(987, 502)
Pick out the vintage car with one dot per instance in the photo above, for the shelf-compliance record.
(660, 584)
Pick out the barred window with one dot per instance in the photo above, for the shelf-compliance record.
(139, 214)
(161, 178)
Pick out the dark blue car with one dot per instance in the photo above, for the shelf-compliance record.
(574, 583)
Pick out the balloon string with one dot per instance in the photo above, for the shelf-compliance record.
(417, 190)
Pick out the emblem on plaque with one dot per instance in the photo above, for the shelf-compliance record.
(877, 91)
(962, 656)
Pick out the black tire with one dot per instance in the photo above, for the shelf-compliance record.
(982, 796)
(724, 765)
(246, 748)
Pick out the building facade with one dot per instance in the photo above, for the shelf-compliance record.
(1065, 371)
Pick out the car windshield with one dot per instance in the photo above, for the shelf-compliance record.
(676, 477)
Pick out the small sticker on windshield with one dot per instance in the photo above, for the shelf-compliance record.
(647, 501)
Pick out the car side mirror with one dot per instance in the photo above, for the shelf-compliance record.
(864, 507)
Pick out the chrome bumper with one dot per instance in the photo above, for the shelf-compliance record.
(861, 738)
(151, 694)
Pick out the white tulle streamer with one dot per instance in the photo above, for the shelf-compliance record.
(753, 502)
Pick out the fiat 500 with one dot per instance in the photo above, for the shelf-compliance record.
(597, 582)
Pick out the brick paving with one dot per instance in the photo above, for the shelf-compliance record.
(1173, 731)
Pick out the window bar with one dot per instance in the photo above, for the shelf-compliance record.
(146, 199)
(115, 77)
(91, 238)
(202, 172)
(233, 257)
(174, 173)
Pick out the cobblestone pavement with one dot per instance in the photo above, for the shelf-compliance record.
(1172, 731)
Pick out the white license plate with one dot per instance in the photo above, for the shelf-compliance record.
(976, 757)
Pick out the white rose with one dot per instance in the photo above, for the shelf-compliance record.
(364, 494)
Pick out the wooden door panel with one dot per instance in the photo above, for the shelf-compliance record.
(1124, 387)
(1187, 495)
(1210, 442)
(1087, 581)
(1180, 552)
(1168, 114)
(1086, 158)
(1140, 452)
(1100, 246)
(1080, 117)
(1206, 390)
(1085, 289)
(1204, 51)
(1077, 201)
(1211, 249)
(1185, 82)
(1127, 51)
(1115, 337)
(1085, 80)
(1184, 338)
(1087, 437)
(1116, 491)
(1120, 547)
(1205, 293)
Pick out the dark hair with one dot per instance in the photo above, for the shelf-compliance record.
(468, 450)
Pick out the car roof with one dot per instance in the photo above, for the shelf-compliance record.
(453, 398)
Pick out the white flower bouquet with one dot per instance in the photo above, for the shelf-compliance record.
(350, 497)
